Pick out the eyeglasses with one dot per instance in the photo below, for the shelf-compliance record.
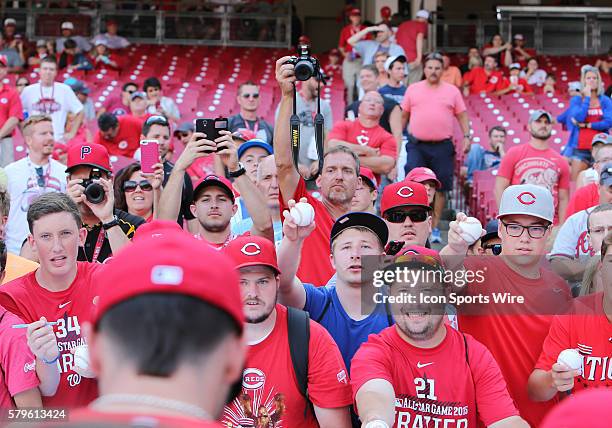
(254, 96)
(516, 230)
(496, 249)
(434, 55)
(130, 186)
(416, 216)
(22, 84)
(157, 120)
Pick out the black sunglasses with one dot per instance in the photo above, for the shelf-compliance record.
(416, 216)
(496, 249)
(157, 120)
(255, 96)
(131, 185)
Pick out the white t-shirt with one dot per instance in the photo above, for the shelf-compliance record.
(572, 240)
(56, 101)
(23, 188)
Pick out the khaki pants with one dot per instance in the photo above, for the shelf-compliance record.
(7, 154)
(415, 74)
(350, 74)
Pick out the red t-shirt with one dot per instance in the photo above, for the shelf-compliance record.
(115, 106)
(527, 165)
(27, 299)
(585, 135)
(522, 84)
(515, 340)
(201, 168)
(587, 329)
(88, 415)
(437, 386)
(346, 33)
(583, 198)
(406, 37)
(10, 104)
(315, 267)
(269, 380)
(18, 364)
(480, 81)
(127, 140)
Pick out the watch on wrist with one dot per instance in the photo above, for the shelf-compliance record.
(240, 171)
(114, 222)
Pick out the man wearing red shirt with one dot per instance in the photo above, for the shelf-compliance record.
(61, 289)
(514, 84)
(150, 341)
(270, 393)
(410, 36)
(120, 135)
(536, 163)
(352, 62)
(400, 377)
(486, 79)
(338, 181)
(11, 112)
(588, 329)
(514, 333)
(376, 148)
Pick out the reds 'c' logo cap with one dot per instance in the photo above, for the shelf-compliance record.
(527, 199)
(252, 251)
(405, 193)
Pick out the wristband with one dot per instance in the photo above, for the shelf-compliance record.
(376, 423)
(114, 222)
(53, 361)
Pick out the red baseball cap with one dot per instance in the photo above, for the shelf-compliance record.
(422, 174)
(156, 229)
(176, 263)
(59, 149)
(417, 251)
(215, 180)
(252, 251)
(367, 175)
(405, 193)
(354, 11)
(587, 408)
(244, 134)
(3, 60)
(88, 154)
(385, 11)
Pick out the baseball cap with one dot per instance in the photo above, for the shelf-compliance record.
(3, 60)
(9, 21)
(367, 176)
(602, 138)
(256, 142)
(156, 229)
(361, 219)
(518, 37)
(515, 66)
(574, 86)
(77, 86)
(385, 11)
(527, 199)
(491, 231)
(41, 43)
(605, 176)
(90, 154)
(252, 251)
(67, 25)
(422, 14)
(244, 135)
(422, 174)
(404, 194)
(587, 408)
(354, 11)
(102, 42)
(214, 180)
(184, 127)
(159, 265)
(419, 250)
(138, 94)
(389, 61)
(538, 114)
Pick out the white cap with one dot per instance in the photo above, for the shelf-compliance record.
(389, 61)
(527, 199)
(9, 21)
(518, 37)
(422, 14)
(67, 25)
(515, 65)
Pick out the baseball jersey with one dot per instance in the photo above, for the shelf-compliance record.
(572, 240)
(270, 395)
(27, 299)
(585, 197)
(588, 330)
(515, 336)
(444, 386)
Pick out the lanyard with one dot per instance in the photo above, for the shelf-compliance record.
(42, 97)
(35, 175)
(99, 243)
(255, 127)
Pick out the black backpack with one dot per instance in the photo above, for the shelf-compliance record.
(298, 326)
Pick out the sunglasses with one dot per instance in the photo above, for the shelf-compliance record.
(254, 96)
(22, 84)
(496, 249)
(416, 216)
(131, 185)
(157, 120)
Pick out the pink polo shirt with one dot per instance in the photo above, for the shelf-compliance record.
(432, 110)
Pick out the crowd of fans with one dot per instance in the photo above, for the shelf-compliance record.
(179, 293)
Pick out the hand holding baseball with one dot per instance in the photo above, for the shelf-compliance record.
(299, 220)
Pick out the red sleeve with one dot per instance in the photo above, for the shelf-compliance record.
(7, 301)
(388, 146)
(492, 397)
(300, 192)
(557, 340)
(504, 83)
(15, 106)
(340, 131)
(468, 77)
(370, 362)
(506, 167)
(343, 41)
(564, 179)
(328, 382)
(525, 85)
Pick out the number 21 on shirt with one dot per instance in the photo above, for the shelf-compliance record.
(425, 388)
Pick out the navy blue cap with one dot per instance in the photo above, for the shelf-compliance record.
(491, 229)
(361, 219)
(254, 143)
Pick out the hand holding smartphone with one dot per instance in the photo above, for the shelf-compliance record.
(149, 155)
(211, 127)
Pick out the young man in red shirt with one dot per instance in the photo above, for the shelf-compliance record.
(514, 333)
(375, 147)
(588, 329)
(120, 135)
(62, 290)
(486, 79)
(165, 341)
(536, 163)
(337, 184)
(400, 377)
(352, 61)
(270, 392)
(410, 36)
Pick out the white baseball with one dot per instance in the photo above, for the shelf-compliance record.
(571, 358)
(81, 362)
(471, 230)
(303, 214)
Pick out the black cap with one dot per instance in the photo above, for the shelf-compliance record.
(361, 219)
(491, 229)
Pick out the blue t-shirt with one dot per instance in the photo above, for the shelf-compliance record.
(348, 333)
(396, 94)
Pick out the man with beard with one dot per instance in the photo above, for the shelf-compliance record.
(337, 183)
(108, 228)
(214, 200)
(536, 163)
(514, 333)
(400, 377)
(269, 369)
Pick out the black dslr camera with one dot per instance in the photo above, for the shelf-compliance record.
(94, 192)
(306, 66)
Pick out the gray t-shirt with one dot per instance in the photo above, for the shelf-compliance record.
(368, 48)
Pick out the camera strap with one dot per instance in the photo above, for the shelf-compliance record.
(294, 126)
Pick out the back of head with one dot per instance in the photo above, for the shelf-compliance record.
(107, 121)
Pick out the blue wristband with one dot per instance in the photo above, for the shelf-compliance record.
(52, 361)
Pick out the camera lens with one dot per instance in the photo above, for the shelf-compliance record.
(304, 70)
(94, 193)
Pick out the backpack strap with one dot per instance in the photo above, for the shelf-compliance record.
(298, 325)
(324, 311)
